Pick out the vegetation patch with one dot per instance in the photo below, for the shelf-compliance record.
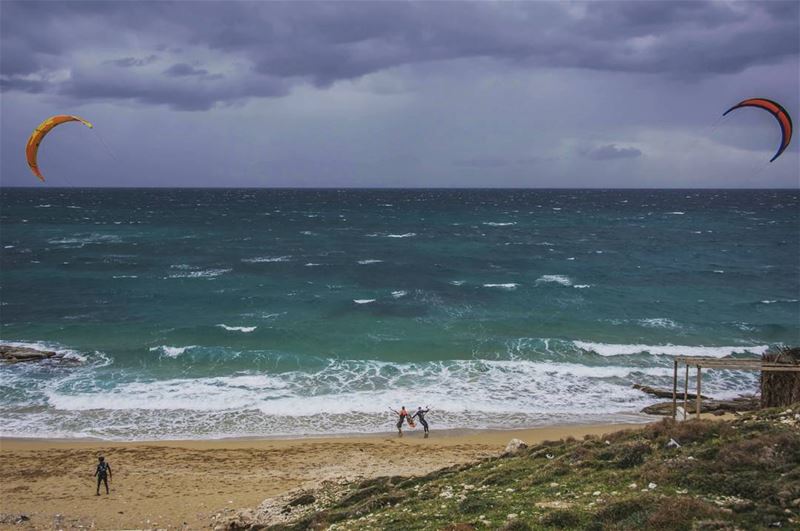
(740, 474)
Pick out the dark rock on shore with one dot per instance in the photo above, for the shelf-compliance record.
(18, 354)
(663, 393)
(737, 405)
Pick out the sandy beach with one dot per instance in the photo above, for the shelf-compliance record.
(183, 484)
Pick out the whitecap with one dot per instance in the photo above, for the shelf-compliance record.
(557, 279)
(208, 273)
(171, 352)
(457, 282)
(499, 223)
(311, 264)
(406, 235)
(508, 286)
(369, 261)
(608, 349)
(363, 301)
(676, 213)
(659, 322)
(244, 329)
(399, 293)
(582, 286)
(267, 259)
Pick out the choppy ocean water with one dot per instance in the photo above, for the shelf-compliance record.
(214, 313)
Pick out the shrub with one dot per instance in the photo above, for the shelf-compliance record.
(630, 513)
(631, 455)
(679, 513)
(562, 519)
(475, 504)
(516, 525)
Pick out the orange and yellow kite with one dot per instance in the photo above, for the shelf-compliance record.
(38, 134)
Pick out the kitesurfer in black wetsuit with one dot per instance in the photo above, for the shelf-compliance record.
(420, 414)
(103, 473)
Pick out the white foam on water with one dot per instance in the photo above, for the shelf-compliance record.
(369, 261)
(208, 273)
(659, 322)
(244, 329)
(676, 213)
(399, 293)
(582, 286)
(609, 349)
(8, 247)
(363, 301)
(79, 240)
(125, 276)
(718, 271)
(557, 279)
(333, 398)
(267, 259)
(775, 301)
(507, 286)
(499, 223)
(171, 352)
(457, 282)
(311, 264)
(406, 235)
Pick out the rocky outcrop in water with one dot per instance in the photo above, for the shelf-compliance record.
(19, 354)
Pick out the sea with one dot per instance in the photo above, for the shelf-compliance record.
(213, 313)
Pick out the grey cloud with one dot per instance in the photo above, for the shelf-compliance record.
(103, 86)
(323, 43)
(500, 162)
(184, 69)
(483, 163)
(612, 151)
(128, 62)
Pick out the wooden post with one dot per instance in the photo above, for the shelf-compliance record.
(686, 391)
(674, 389)
(698, 392)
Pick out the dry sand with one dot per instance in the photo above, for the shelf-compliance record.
(182, 484)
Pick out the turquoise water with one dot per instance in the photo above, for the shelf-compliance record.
(211, 313)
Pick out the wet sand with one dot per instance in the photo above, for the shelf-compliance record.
(183, 484)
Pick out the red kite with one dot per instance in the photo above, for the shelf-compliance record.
(778, 112)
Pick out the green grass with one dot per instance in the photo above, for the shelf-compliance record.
(741, 474)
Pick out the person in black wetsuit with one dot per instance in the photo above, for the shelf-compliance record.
(103, 473)
(420, 414)
(403, 414)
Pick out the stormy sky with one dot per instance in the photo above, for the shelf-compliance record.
(400, 94)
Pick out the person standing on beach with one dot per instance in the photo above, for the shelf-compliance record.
(103, 473)
(420, 414)
(403, 414)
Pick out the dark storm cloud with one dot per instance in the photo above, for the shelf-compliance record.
(279, 45)
(612, 151)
